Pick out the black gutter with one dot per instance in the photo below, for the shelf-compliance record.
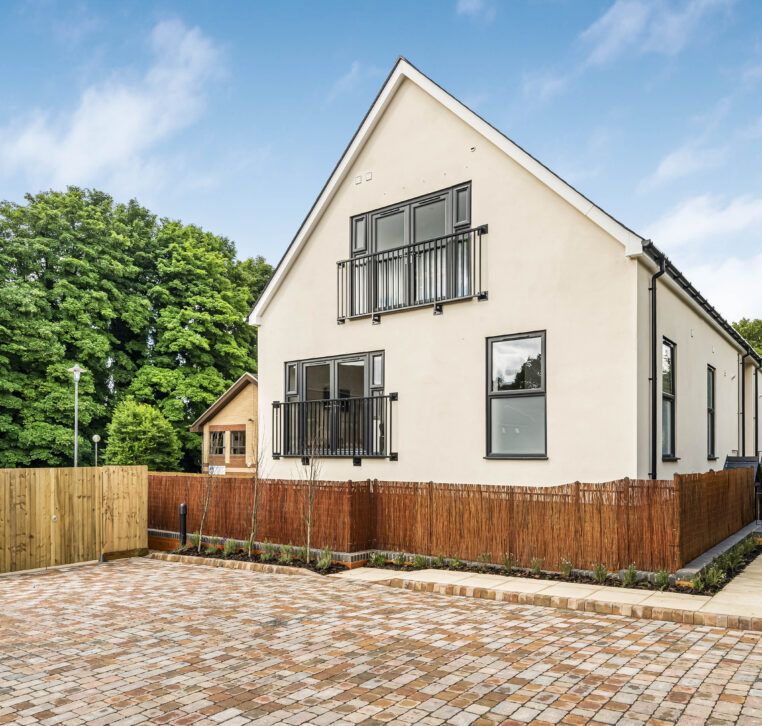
(654, 364)
(657, 256)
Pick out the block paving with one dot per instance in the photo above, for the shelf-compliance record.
(143, 641)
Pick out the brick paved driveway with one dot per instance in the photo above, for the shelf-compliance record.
(141, 641)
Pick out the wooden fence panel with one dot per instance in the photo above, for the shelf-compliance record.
(55, 516)
(124, 504)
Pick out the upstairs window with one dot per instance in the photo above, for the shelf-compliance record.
(668, 399)
(415, 220)
(217, 443)
(516, 421)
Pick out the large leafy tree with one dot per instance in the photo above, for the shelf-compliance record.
(201, 341)
(752, 331)
(72, 290)
(150, 308)
(140, 434)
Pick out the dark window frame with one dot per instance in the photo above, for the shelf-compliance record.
(237, 449)
(711, 417)
(216, 436)
(534, 392)
(670, 455)
(454, 224)
(368, 357)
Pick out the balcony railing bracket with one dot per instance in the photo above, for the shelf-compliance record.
(437, 308)
(482, 296)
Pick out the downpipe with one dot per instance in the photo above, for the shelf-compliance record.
(743, 403)
(654, 364)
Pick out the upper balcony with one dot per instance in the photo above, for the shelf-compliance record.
(429, 273)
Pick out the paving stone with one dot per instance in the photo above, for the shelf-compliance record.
(140, 641)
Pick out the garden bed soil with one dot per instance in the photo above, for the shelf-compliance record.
(243, 556)
(476, 569)
(577, 577)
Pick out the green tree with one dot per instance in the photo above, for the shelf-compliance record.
(153, 309)
(140, 434)
(72, 289)
(200, 341)
(752, 331)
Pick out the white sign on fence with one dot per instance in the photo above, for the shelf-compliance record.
(216, 470)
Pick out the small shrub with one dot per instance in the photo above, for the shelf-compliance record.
(286, 554)
(748, 546)
(439, 561)
(210, 549)
(217, 541)
(194, 540)
(509, 562)
(661, 579)
(630, 576)
(456, 563)
(735, 560)
(325, 560)
(230, 548)
(699, 584)
(566, 567)
(399, 559)
(268, 552)
(302, 554)
(600, 573)
(714, 577)
(484, 558)
(377, 559)
(536, 565)
(419, 562)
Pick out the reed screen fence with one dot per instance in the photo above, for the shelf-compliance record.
(652, 523)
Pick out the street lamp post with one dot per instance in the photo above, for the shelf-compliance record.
(76, 371)
(96, 439)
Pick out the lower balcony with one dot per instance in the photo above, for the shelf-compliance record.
(353, 428)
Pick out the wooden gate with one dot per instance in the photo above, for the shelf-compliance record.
(61, 516)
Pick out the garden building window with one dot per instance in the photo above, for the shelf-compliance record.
(516, 397)
(238, 443)
(217, 443)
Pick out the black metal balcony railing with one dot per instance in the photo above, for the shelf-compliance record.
(425, 273)
(335, 427)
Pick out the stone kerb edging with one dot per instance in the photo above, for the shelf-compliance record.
(231, 564)
(588, 605)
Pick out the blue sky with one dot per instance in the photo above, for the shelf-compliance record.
(231, 115)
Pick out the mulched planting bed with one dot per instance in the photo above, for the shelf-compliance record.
(577, 576)
(243, 556)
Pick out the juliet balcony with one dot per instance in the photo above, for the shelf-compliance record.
(429, 273)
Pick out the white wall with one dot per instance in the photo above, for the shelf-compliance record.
(698, 343)
(548, 268)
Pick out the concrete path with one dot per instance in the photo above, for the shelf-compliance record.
(739, 604)
(150, 642)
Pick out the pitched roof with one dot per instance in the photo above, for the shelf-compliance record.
(221, 402)
(633, 243)
(404, 70)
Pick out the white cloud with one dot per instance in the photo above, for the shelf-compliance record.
(357, 73)
(476, 8)
(706, 217)
(107, 136)
(627, 28)
(686, 160)
(731, 285)
(645, 26)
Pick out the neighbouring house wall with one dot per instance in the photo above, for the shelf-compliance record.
(548, 267)
(699, 343)
(239, 413)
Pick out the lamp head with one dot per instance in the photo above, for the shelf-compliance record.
(96, 438)
(76, 371)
